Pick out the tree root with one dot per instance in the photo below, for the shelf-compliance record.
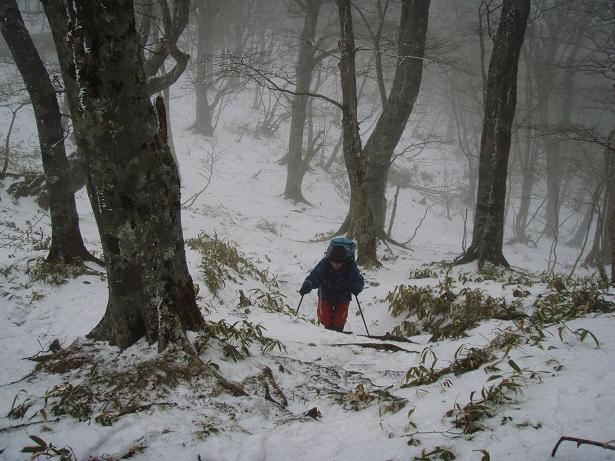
(473, 254)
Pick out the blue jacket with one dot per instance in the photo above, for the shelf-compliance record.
(333, 285)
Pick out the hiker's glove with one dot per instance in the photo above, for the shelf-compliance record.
(356, 291)
(305, 289)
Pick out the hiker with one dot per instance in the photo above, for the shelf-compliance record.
(337, 277)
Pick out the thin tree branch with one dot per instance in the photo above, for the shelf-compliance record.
(579, 442)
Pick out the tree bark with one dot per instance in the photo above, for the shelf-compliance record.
(356, 162)
(66, 241)
(500, 103)
(304, 70)
(132, 179)
(166, 94)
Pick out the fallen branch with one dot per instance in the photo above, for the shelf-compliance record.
(389, 337)
(448, 433)
(579, 442)
(379, 347)
(147, 406)
(20, 426)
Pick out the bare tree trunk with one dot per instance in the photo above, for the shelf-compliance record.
(65, 116)
(609, 154)
(379, 72)
(166, 94)
(7, 141)
(376, 37)
(206, 13)
(546, 44)
(132, 179)
(166, 98)
(601, 245)
(481, 41)
(381, 144)
(404, 91)
(553, 186)
(356, 162)
(173, 27)
(527, 157)
(583, 228)
(66, 241)
(500, 103)
(304, 69)
(527, 183)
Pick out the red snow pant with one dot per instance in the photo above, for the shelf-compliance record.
(333, 317)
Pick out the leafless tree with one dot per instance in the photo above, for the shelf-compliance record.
(500, 104)
(66, 241)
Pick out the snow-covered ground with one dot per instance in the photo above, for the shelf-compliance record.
(567, 384)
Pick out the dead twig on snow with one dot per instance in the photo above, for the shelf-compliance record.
(579, 442)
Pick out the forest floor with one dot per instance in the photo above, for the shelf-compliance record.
(522, 357)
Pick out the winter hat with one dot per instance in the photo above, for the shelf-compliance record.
(338, 254)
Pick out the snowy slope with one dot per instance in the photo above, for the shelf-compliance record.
(567, 383)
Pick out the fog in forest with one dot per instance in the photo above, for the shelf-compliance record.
(285, 54)
(172, 170)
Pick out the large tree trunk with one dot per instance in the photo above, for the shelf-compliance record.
(390, 126)
(304, 69)
(404, 91)
(356, 162)
(500, 103)
(66, 241)
(132, 179)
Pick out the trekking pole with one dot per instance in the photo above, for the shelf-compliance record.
(298, 307)
(361, 312)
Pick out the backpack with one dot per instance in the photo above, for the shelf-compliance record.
(348, 245)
